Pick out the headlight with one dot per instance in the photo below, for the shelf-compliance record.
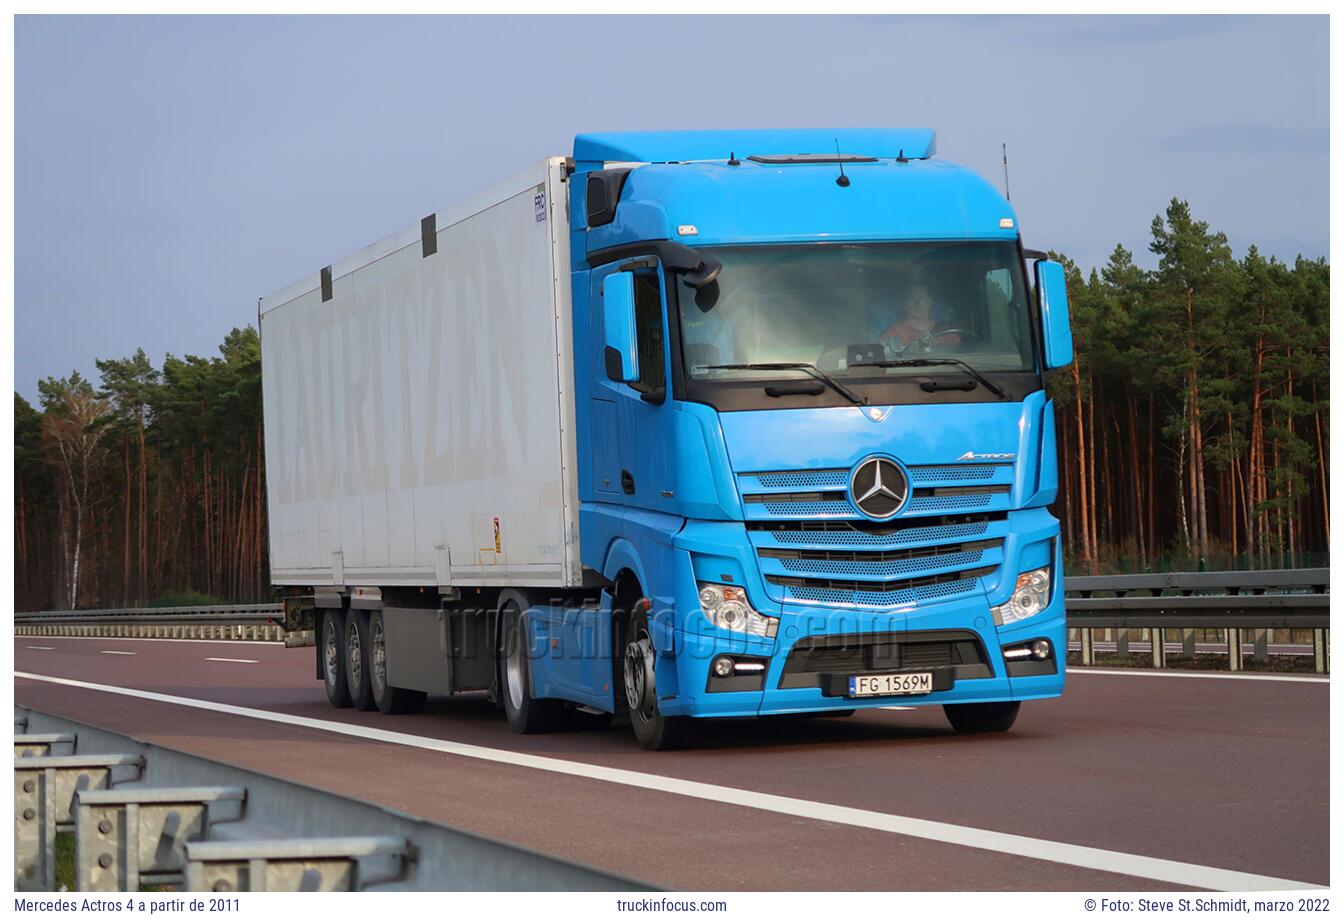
(727, 607)
(1030, 596)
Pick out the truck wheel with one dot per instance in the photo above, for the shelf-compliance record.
(527, 715)
(389, 700)
(333, 665)
(975, 718)
(357, 659)
(653, 730)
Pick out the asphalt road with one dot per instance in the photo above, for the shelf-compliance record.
(1192, 773)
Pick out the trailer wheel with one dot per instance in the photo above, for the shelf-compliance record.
(527, 715)
(389, 700)
(653, 730)
(333, 666)
(977, 718)
(357, 659)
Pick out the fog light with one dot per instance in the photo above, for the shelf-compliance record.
(723, 666)
(1040, 649)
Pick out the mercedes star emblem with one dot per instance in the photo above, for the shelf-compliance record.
(879, 487)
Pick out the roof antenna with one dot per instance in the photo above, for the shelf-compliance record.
(1006, 193)
(843, 181)
(901, 157)
(733, 160)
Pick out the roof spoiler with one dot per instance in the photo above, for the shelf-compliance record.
(682, 146)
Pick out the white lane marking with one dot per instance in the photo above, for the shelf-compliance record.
(235, 660)
(109, 652)
(1069, 854)
(138, 639)
(899, 708)
(1154, 672)
(44, 648)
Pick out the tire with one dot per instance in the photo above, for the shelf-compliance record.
(333, 661)
(391, 701)
(978, 718)
(653, 730)
(356, 649)
(527, 715)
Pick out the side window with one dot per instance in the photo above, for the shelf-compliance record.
(1008, 330)
(649, 334)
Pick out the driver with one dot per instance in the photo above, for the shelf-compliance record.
(917, 330)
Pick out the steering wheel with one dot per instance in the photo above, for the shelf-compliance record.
(926, 343)
(977, 338)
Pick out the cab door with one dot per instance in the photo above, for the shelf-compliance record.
(639, 468)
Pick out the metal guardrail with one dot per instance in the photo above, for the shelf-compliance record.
(1240, 603)
(227, 621)
(144, 814)
(1243, 605)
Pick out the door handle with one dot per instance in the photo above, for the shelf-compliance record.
(627, 482)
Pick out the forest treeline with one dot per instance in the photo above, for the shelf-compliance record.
(146, 484)
(1193, 431)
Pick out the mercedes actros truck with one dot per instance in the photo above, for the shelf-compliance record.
(687, 425)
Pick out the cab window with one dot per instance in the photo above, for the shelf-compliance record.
(649, 335)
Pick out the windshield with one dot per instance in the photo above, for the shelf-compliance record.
(840, 306)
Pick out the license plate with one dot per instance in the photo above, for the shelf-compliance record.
(890, 684)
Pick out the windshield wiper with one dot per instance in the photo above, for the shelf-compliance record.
(810, 369)
(935, 362)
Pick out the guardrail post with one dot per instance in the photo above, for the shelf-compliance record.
(1188, 643)
(1159, 637)
(339, 864)
(1234, 662)
(44, 792)
(126, 838)
(1320, 650)
(1261, 652)
(1085, 637)
(1122, 641)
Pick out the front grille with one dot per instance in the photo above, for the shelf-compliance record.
(882, 563)
(833, 584)
(880, 594)
(874, 533)
(799, 479)
(835, 503)
(942, 474)
(968, 473)
(916, 553)
(828, 661)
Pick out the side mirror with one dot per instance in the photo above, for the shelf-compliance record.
(1056, 336)
(618, 321)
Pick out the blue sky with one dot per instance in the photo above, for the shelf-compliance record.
(170, 170)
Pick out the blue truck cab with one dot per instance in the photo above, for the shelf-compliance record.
(816, 450)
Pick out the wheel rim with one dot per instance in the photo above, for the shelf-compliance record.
(330, 646)
(513, 665)
(639, 684)
(378, 654)
(354, 653)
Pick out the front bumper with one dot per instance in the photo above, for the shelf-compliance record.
(967, 620)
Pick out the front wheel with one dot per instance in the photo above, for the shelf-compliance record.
(653, 730)
(977, 718)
